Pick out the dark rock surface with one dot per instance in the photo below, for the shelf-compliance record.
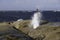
(14, 34)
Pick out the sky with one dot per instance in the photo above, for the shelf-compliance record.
(29, 4)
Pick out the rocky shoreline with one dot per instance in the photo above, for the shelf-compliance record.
(21, 31)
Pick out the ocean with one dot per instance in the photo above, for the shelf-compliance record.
(26, 15)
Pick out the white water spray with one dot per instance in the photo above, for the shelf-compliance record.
(36, 20)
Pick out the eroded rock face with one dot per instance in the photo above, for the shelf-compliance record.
(24, 32)
(53, 36)
(41, 33)
(9, 32)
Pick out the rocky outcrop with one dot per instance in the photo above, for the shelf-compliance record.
(11, 33)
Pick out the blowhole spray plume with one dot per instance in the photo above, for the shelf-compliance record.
(36, 20)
